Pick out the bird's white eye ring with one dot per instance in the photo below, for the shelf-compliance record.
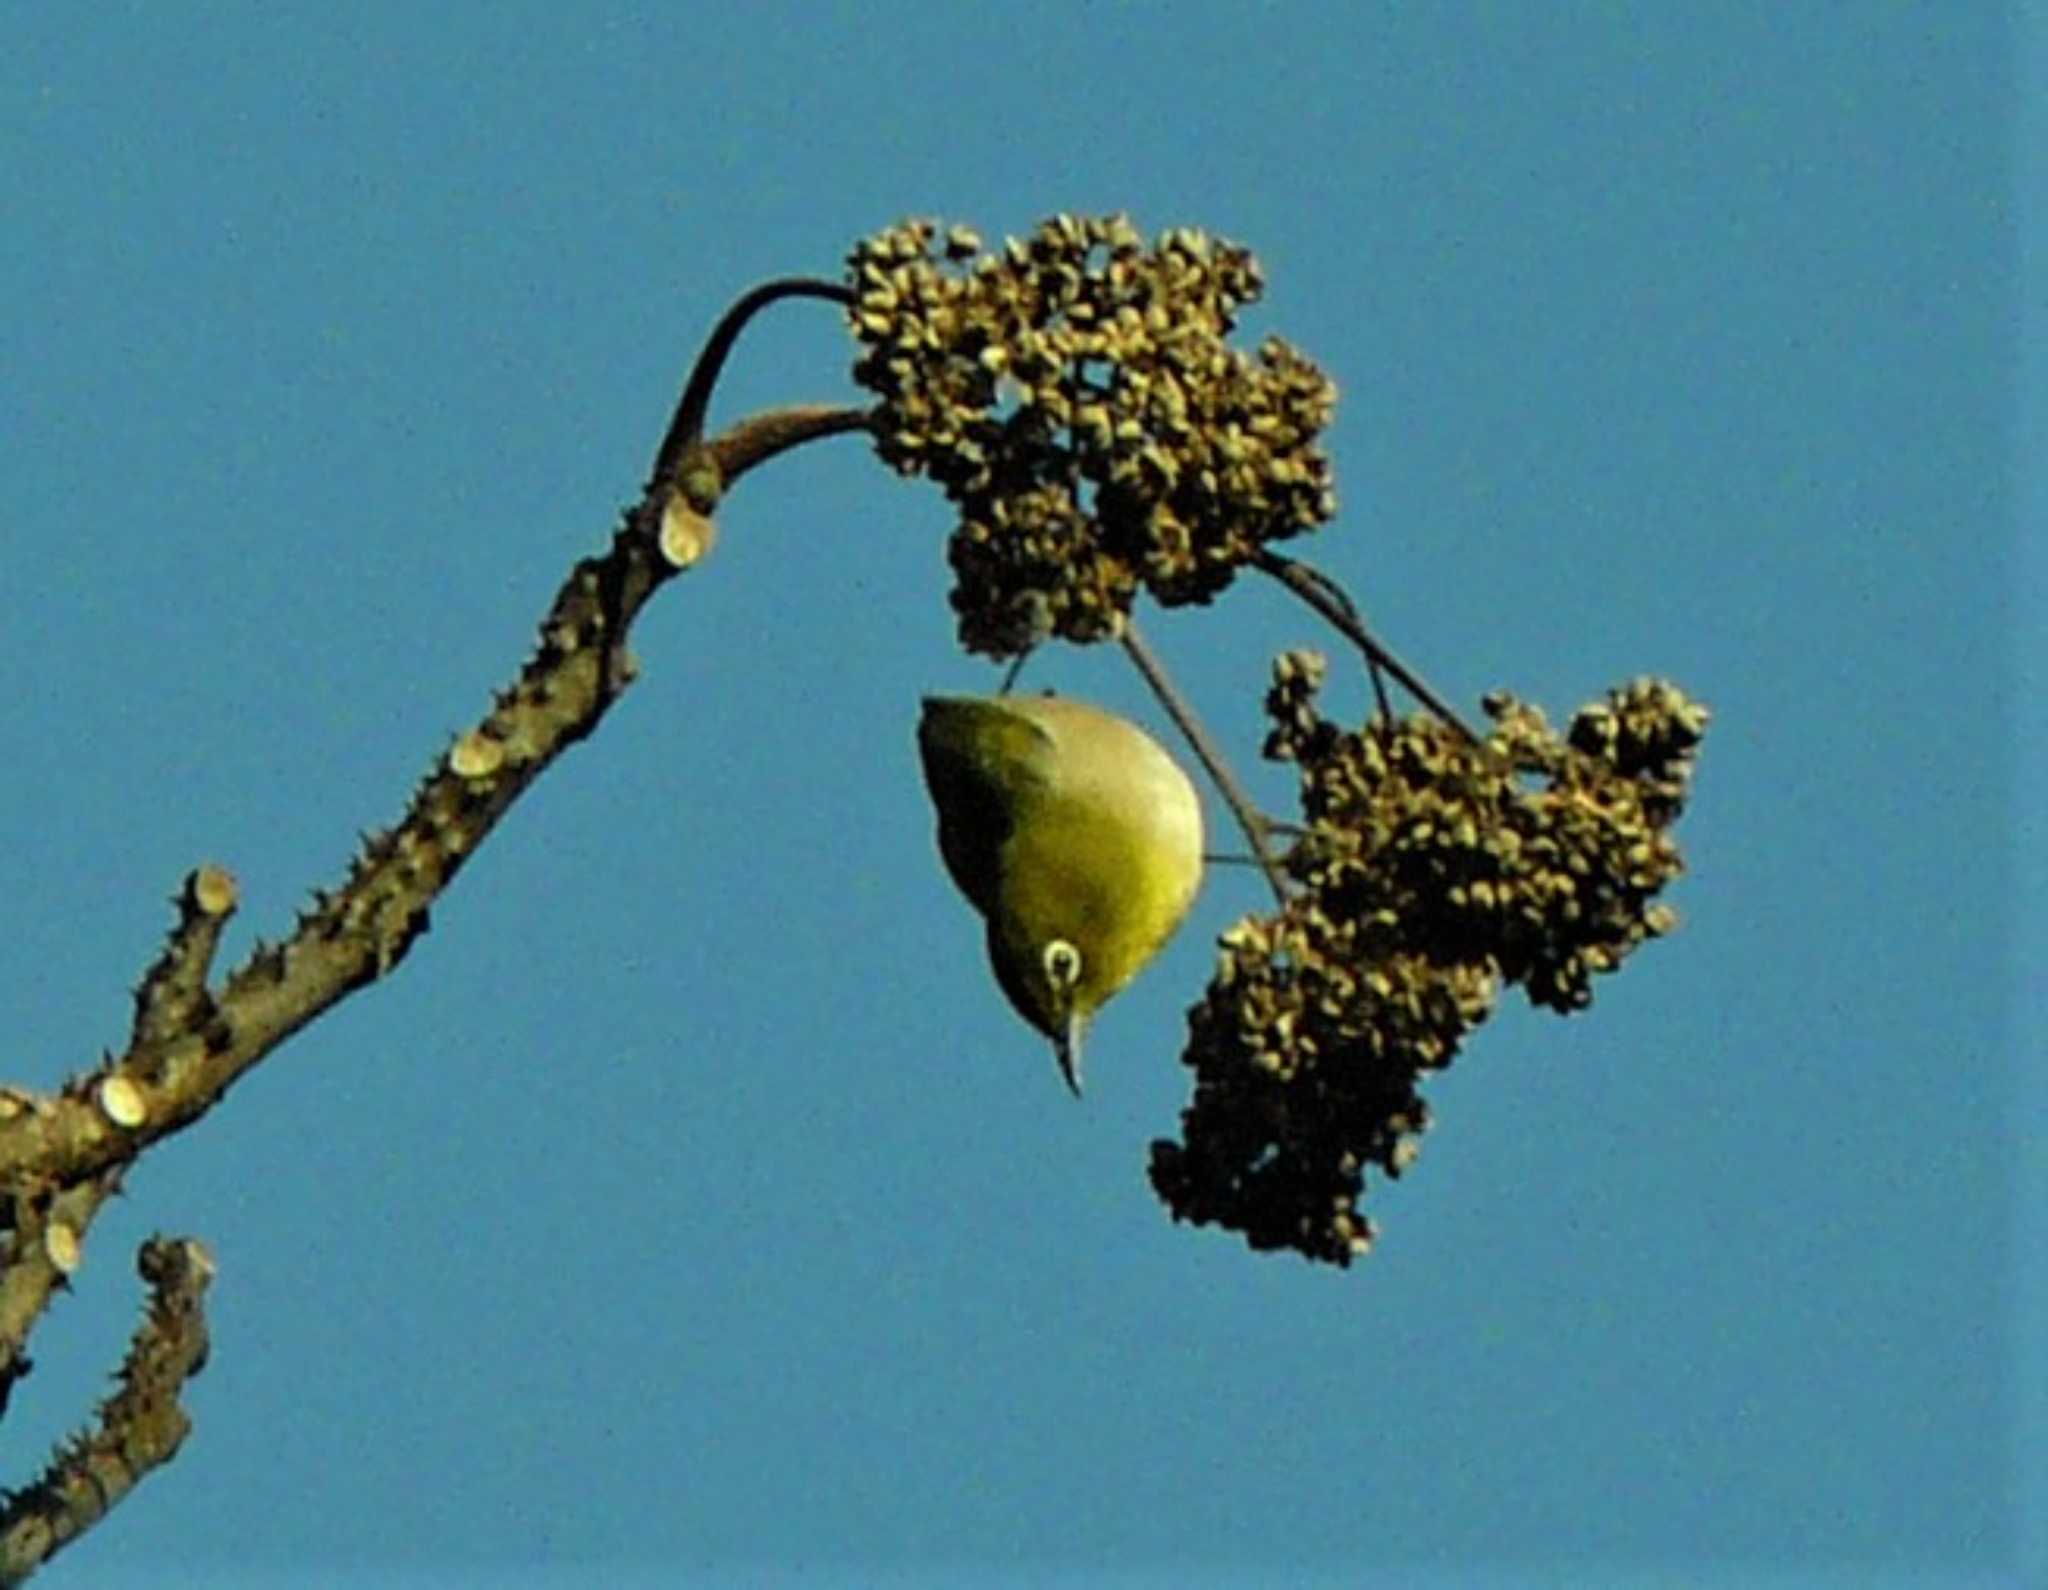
(1062, 964)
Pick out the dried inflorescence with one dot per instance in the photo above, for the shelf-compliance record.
(1074, 395)
(1431, 870)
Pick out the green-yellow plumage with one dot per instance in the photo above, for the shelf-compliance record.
(1074, 834)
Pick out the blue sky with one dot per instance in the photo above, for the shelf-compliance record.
(690, 1207)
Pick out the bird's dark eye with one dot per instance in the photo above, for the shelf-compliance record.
(1062, 964)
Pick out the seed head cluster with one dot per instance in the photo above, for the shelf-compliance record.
(1430, 872)
(1074, 396)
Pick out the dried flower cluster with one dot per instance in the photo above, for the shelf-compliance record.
(1431, 871)
(1074, 396)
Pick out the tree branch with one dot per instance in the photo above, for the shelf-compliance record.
(362, 930)
(42, 1249)
(140, 1427)
(1327, 598)
(1249, 818)
(687, 425)
(61, 1156)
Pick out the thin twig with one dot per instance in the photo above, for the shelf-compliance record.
(1248, 818)
(758, 438)
(687, 427)
(1323, 594)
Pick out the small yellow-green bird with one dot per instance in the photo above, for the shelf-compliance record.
(1074, 834)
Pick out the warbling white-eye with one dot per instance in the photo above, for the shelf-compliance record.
(1074, 834)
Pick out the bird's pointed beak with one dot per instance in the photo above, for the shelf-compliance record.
(1066, 1049)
